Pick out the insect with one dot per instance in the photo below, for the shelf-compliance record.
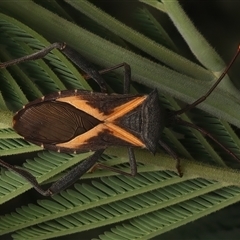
(74, 121)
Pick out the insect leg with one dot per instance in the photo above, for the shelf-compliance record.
(71, 177)
(132, 162)
(86, 66)
(174, 155)
(23, 173)
(80, 61)
(37, 55)
(73, 55)
(127, 75)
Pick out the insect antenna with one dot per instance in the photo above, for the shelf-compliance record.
(173, 115)
(204, 97)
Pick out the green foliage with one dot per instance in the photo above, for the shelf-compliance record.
(157, 200)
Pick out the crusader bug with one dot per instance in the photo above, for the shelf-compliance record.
(74, 121)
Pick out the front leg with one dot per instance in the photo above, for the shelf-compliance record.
(86, 66)
(73, 55)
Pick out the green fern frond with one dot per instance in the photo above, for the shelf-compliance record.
(156, 200)
(147, 23)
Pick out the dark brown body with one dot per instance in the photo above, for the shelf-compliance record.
(76, 121)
